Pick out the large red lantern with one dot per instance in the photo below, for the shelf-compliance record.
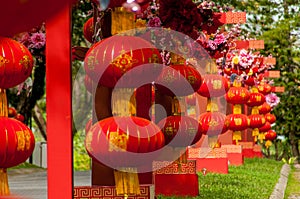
(178, 80)
(16, 145)
(213, 86)
(15, 63)
(127, 60)
(180, 131)
(266, 127)
(109, 139)
(88, 29)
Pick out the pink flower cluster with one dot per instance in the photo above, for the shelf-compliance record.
(272, 99)
(33, 41)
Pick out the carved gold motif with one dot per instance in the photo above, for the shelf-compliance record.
(213, 123)
(191, 79)
(237, 121)
(169, 130)
(169, 78)
(117, 142)
(21, 140)
(27, 139)
(217, 84)
(124, 61)
(3, 61)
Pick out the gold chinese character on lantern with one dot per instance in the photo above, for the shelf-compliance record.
(21, 140)
(117, 142)
(237, 121)
(217, 84)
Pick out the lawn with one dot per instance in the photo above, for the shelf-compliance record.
(255, 179)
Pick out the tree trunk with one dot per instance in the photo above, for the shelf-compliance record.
(294, 144)
(40, 121)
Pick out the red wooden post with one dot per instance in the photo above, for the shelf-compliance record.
(59, 116)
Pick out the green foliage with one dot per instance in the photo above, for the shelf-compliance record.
(82, 160)
(255, 179)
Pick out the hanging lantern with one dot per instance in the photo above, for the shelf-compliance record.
(127, 60)
(114, 140)
(264, 88)
(237, 121)
(270, 136)
(212, 123)
(255, 98)
(237, 94)
(270, 118)
(88, 29)
(178, 80)
(180, 131)
(264, 108)
(16, 146)
(15, 63)
(266, 127)
(213, 86)
(256, 120)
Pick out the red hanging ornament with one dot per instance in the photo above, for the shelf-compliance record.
(264, 108)
(270, 118)
(213, 86)
(88, 29)
(15, 63)
(264, 88)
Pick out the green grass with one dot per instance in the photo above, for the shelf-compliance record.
(24, 165)
(255, 179)
(293, 187)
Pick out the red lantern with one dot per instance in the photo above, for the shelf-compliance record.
(178, 80)
(270, 118)
(237, 94)
(264, 108)
(20, 117)
(213, 86)
(265, 127)
(88, 29)
(88, 83)
(250, 81)
(15, 63)
(16, 143)
(264, 88)
(236, 122)
(256, 99)
(109, 139)
(127, 60)
(212, 123)
(270, 135)
(88, 125)
(180, 131)
(12, 112)
(256, 120)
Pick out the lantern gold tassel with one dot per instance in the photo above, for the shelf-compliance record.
(4, 189)
(268, 144)
(255, 134)
(237, 135)
(261, 137)
(122, 20)
(3, 103)
(213, 142)
(127, 183)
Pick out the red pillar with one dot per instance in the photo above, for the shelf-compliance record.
(59, 117)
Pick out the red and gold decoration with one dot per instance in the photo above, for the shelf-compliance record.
(256, 120)
(264, 108)
(213, 85)
(237, 121)
(178, 80)
(269, 137)
(111, 139)
(15, 63)
(89, 30)
(264, 88)
(121, 59)
(270, 118)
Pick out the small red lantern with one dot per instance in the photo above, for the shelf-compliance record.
(264, 88)
(180, 131)
(178, 80)
(236, 122)
(250, 81)
(265, 127)
(127, 60)
(264, 108)
(270, 118)
(256, 120)
(270, 135)
(213, 86)
(12, 112)
(88, 29)
(15, 63)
